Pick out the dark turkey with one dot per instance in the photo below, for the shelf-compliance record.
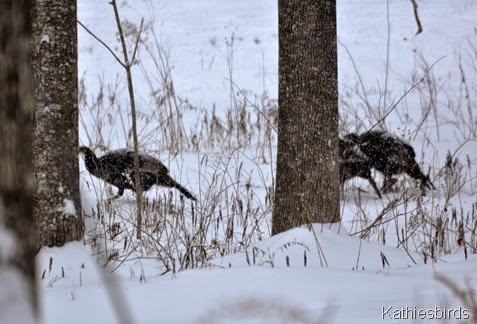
(390, 156)
(354, 163)
(117, 168)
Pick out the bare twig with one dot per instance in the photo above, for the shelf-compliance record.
(321, 253)
(361, 83)
(137, 175)
(137, 41)
(406, 93)
(103, 43)
(375, 223)
(253, 105)
(416, 16)
(388, 46)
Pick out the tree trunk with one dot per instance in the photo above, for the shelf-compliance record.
(307, 188)
(17, 255)
(57, 206)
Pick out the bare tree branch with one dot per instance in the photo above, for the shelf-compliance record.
(103, 43)
(137, 174)
(416, 16)
(137, 42)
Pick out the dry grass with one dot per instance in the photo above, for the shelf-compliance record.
(234, 152)
(445, 220)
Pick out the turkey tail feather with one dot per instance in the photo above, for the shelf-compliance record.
(173, 184)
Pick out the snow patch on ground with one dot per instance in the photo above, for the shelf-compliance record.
(74, 289)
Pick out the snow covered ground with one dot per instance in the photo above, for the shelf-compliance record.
(261, 293)
(346, 279)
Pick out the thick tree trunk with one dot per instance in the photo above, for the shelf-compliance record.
(307, 188)
(17, 255)
(57, 200)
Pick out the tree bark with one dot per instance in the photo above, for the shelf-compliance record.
(17, 257)
(57, 206)
(307, 187)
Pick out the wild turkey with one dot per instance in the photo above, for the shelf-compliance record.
(354, 163)
(390, 156)
(117, 168)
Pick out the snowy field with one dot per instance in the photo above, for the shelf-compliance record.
(205, 79)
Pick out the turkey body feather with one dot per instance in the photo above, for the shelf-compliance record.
(117, 168)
